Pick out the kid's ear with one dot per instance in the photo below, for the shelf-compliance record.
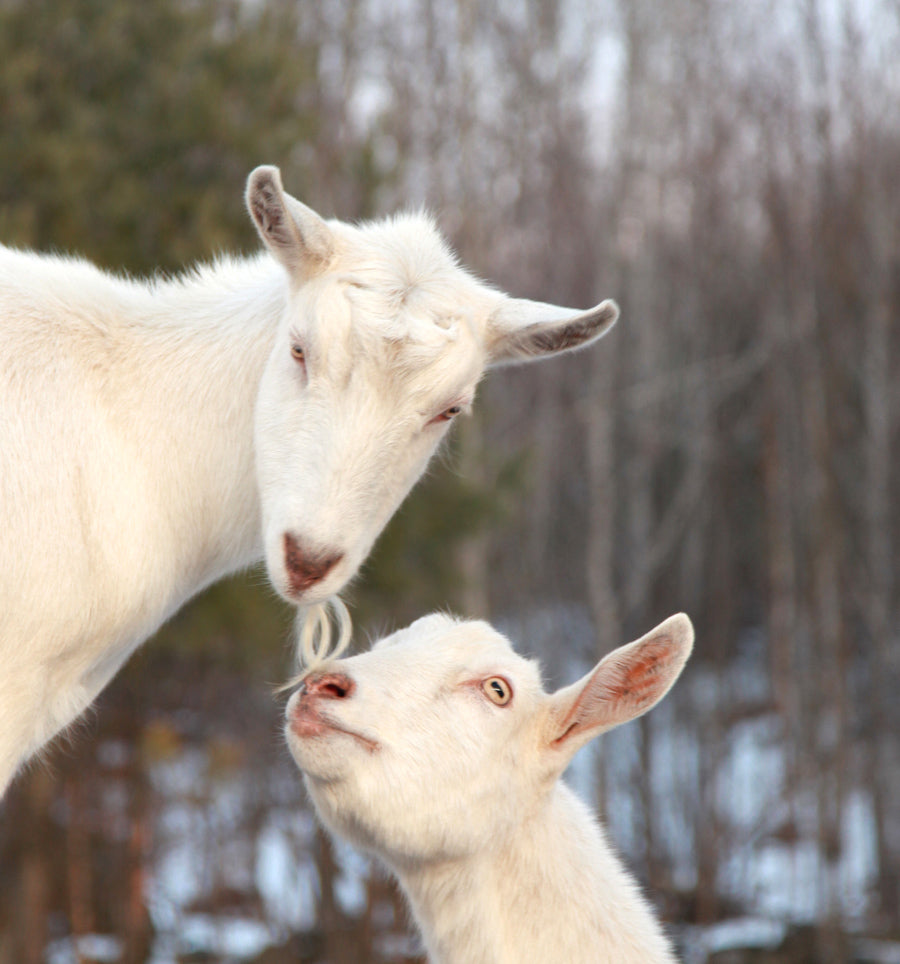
(624, 685)
(294, 233)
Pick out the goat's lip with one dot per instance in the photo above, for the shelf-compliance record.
(316, 593)
(307, 722)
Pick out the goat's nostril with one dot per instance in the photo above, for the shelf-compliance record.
(331, 686)
(307, 567)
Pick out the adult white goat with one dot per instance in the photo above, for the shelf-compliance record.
(156, 436)
(440, 752)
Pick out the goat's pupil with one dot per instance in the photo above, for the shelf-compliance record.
(498, 689)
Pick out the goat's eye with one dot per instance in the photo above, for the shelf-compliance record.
(497, 690)
(449, 413)
(297, 353)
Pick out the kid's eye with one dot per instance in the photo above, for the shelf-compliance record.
(497, 690)
(297, 353)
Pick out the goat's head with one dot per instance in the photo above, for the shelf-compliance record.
(382, 345)
(441, 739)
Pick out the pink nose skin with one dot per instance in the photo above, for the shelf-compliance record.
(305, 709)
(305, 568)
(328, 686)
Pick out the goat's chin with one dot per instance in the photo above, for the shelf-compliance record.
(319, 757)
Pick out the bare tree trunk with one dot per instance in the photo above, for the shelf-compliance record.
(327, 912)
(138, 930)
(35, 895)
(781, 456)
(473, 553)
(78, 859)
(599, 418)
(882, 745)
(819, 372)
(876, 587)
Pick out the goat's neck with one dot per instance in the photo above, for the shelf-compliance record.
(553, 891)
(204, 343)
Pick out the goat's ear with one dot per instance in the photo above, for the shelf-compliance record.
(625, 684)
(520, 330)
(294, 233)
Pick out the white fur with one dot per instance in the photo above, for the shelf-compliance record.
(405, 755)
(156, 436)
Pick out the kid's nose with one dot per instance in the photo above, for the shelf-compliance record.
(328, 686)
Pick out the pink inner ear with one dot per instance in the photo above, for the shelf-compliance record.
(639, 682)
(621, 688)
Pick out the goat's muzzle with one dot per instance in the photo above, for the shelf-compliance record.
(305, 568)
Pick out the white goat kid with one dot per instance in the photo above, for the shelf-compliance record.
(155, 437)
(440, 752)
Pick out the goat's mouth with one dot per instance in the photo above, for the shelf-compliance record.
(304, 572)
(305, 722)
(312, 595)
(309, 590)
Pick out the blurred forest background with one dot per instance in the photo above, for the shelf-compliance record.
(730, 172)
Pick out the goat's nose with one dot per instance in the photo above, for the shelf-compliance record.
(328, 686)
(305, 567)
